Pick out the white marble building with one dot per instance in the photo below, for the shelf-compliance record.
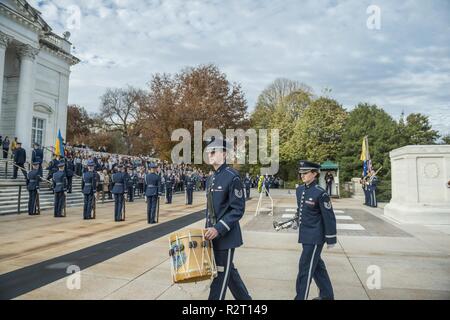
(34, 76)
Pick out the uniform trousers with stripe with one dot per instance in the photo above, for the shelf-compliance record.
(189, 195)
(227, 276)
(373, 197)
(311, 266)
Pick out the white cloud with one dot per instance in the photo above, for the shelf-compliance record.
(403, 66)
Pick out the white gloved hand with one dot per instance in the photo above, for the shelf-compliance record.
(330, 246)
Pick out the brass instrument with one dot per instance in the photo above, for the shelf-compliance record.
(286, 224)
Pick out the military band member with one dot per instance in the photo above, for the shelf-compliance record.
(373, 182)
(247, 185)
(130, 183)
(52, 167)
(70, 170)
(225, 207)
(152, 192)
(89, 189)
(189, 185)
(59, 188)
(329, 182)
(118, 190)
(33, 179)
(20, 157)
(169, 181)
(317, 226)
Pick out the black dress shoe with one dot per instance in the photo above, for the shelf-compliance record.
(323, 298)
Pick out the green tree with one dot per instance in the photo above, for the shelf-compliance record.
(78, 123)
(317, 135)
(416, 130)
(382, 131)
(446, 139)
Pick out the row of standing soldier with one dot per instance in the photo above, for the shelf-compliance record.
(123, 181)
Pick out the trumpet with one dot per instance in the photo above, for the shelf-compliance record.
(286, 224)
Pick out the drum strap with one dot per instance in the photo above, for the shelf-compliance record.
(211, 213)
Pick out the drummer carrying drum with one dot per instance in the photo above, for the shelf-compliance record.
(225, 207)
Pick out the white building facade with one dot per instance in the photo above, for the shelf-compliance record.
(34, 76)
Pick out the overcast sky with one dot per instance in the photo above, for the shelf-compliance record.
(402, 66)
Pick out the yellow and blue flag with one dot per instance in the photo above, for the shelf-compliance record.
(365, 156)
(59, 147)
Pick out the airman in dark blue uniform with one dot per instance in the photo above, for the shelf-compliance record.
(247, 185)
(152, 183)
(225, 207)
(52, 167)
(317, 226)
(38, 156)
(189, 185)
(59, 188)
(89, 188)
(373, 182)
(365, 187)
(118, 190)
(70, 169)
(267, 184)
(20, 157)
(169, 182)
(33, 179)
(131, 183)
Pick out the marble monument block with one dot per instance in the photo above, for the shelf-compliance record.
(420, 184)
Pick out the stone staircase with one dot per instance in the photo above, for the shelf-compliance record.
(10, 189)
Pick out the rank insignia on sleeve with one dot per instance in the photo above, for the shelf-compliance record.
(238, 193)
(327, 205)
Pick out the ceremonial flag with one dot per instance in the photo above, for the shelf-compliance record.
(365, 156)
(59, 147)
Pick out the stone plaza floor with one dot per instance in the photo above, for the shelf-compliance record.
(129, 260)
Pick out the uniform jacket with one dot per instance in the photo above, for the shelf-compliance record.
(89, 182)
(37, 155)
(33, 180)
(152, 184)
(317, 222)
(118, 181)
(225, 207)
(247, 182)
(189, 182)
(20, 156)
(70, 168)
(59, 181)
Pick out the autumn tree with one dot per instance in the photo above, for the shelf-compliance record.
(119, 111)
(78, 123)
(195, 94)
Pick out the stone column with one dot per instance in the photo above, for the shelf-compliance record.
(24, 114)
(5, 40)
(62, 104)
